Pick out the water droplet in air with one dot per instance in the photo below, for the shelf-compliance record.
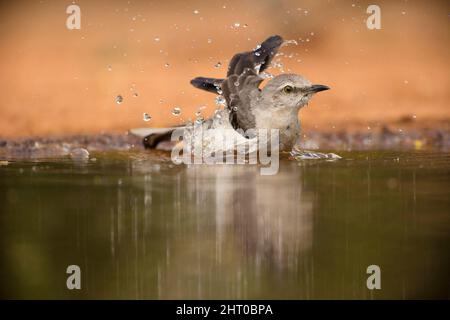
(119, 99)
(266, 75)
(199, 120)
(196, 12)
(236, 24)
(135, 94)
(288, 42)
(209, 40)
(109, 67)
(176, 111)
(157, 39)
(220, 101)
(166, 65)
(218, 65)
(217, 114)
(147, 117)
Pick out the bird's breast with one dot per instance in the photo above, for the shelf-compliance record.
(283, 119)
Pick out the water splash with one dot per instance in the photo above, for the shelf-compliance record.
(289, 42)
(220, 101)
(313, 155)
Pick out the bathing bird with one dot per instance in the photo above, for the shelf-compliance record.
(249, 107)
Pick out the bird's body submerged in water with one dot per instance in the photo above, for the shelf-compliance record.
(248, 107)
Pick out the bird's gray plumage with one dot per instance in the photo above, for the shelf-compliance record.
(242, 82)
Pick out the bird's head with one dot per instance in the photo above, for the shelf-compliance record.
(290, 90)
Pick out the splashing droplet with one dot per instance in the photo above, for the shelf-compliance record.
(199, 120)
(236, 24)
(220, 101)
(288, 42)
(217, 114)
(119, 99)
(147, 117)
(266, 75)
(176, 111)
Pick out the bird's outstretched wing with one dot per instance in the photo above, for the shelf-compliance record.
(258, 59)
(240, 86)
(242, 82)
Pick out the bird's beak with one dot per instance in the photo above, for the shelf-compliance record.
(317, 88)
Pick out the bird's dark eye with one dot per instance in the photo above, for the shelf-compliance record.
(288, 89)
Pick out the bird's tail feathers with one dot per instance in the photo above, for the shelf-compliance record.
(208, 84)
(152, 137)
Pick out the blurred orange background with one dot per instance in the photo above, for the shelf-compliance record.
(56, 81)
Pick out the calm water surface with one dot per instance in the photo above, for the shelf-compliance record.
(140, 227)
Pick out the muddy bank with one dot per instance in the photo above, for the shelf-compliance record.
(375, 139)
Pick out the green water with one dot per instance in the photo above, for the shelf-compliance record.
(140, 227)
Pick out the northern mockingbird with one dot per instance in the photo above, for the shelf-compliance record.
(275, 106)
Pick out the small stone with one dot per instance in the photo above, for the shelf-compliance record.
(79, 154)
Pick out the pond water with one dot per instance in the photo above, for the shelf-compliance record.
(139, 226)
